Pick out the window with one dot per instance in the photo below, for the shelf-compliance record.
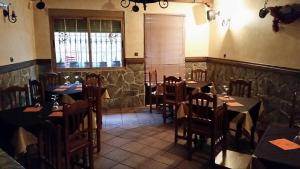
(87, 42)
(164, 45)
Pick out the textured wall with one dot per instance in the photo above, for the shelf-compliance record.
(17, 39)
(250, 38)
(276, 88)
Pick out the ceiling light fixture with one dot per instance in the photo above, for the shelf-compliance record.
(125, 4)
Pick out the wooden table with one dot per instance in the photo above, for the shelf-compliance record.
(268, 156)
(7, 162)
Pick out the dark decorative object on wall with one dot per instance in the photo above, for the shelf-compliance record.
(6, 13)
(135, 8)
(40, 5)
(282, 14)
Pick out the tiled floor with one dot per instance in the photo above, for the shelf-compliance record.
(140, 140)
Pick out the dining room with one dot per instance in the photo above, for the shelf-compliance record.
(127, 84)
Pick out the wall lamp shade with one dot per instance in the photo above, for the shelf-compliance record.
(211, 14)
(40, 5)
(135, 8)
(263, 12)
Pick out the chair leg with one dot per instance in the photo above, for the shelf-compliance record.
(189, 143)
(212, 152)
(98, 139)
(91, 158)
(164, 113)
(68, 164)
(176, 130)
(150, 103)
(252, 137)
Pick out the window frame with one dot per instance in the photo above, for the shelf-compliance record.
(88, 15)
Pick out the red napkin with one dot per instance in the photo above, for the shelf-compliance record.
(285, 144)
(56, 114)
(32, 109)
(234, 104)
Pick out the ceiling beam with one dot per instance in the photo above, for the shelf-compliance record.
(207, 2)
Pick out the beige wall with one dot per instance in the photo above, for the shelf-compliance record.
(250, 38)
(17, 39)
(197, 29)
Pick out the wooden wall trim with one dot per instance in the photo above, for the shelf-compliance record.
(196, 59)
(85, 13)
(134, 60)
(257, 66)
(22, 65)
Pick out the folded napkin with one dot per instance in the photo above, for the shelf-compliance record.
(78, 89)
(285, 144)
(59, 90)
(228, 98)
(80, 85)
(234, 104)
(56, 114)
(32, 109)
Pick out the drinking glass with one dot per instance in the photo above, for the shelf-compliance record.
(225, 91)
(77, 80)
(55, 103)
(297, 138)
(36, 101)
(67, 82)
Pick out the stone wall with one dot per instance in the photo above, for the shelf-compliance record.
(275, 88)
(125, 86)
(18, 77)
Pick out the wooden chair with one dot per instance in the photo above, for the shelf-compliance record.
(170, 97)
(240, 88)
(199, 75)
(207, 121)
(14, 96)
(76, 137)
(53, 79)
(154, 95)
(93, 79)
(49, 142)
(37, 93)
(295, 115)
(93, 97)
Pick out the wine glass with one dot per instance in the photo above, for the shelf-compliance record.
(225, 91)
(297, 138)
(55, 103)
(36, 101)
(67, 82)
(77, 80)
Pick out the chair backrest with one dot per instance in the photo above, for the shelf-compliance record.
(53, 79)
(240, 88)
(295, 115)
(74, 122)
(199, 75)
(202, 104)
(14, 96)
(92, 95)
(220, 121)
(49, 141)
(153, 78)
(93, 79)
(170, 84)
(37, 93)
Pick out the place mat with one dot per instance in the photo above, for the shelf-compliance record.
(285, 144)
(59, 90)
(234, 104)
(228, 98)
(56, 114)
(32, 109)
(64, 86)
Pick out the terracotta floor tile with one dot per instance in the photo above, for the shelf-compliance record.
(162, 145)
(106, 148)
(118, 141)
(133, 147)
(121, 166)
(149, 152)
(105, 136)
(118, 155)
(135, 161)
(152, 164)
(103, 163)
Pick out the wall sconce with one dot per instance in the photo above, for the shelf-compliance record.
(226, 22)
(211, 14)
(6, 13)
